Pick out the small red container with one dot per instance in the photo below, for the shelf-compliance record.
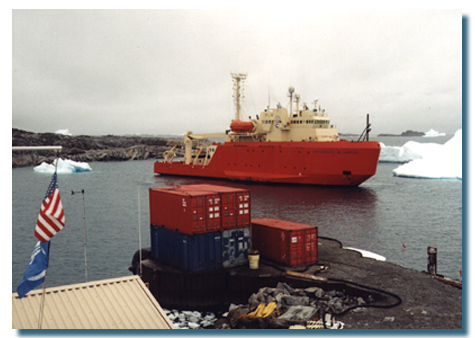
(235, 204)
(285, 242)
(190, 211)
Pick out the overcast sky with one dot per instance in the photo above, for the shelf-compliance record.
(168, 71)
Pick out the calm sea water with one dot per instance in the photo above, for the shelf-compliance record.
(381, 215)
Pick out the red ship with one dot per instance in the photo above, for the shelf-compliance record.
(300, 147)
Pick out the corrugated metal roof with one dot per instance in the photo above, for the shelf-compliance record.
(119, 303)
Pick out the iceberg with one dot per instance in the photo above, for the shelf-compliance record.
(64, 167)
(408, 152)
(445, 162)
(433, 133)
(63, 132)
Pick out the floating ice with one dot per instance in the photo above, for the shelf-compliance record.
(446, 162)
(64, 167)
(433, 133)
(408, 152)
(63, 132)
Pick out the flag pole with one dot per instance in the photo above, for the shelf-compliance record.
(43, 296)
(43, 300)
(140, 233)
(84, 224)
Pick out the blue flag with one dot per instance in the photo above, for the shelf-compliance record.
(36, 271)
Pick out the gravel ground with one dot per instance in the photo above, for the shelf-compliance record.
(426, 302)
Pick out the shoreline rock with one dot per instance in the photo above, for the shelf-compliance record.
(85, 148)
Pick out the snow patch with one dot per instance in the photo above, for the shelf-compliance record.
(63, 132)
(367, 254)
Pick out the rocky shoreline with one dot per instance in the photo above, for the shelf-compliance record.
(85, 148)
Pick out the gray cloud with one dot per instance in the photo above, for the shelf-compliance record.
(167, 71)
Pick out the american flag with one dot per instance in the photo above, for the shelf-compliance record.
(51, 217)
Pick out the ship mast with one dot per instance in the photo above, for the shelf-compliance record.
(291, 91)
(238, 96)
(297, 98)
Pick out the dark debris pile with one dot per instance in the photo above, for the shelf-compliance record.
(287, 307)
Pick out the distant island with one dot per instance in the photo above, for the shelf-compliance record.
(85, 148)
(406, 133)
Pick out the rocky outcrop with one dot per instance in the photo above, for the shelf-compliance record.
(407, 133)
(85, 148)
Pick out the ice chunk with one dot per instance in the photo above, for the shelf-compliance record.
(433, 133)
(408, 152)
(64, 167)
(193, 325)
(446, 162)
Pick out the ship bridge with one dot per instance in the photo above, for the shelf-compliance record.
(282, 125)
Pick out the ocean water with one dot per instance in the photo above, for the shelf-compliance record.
(392, 216)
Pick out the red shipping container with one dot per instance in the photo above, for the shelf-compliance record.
(285, 242)
(235, 204)
(190, 211)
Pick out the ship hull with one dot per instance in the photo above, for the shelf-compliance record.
(309, 163)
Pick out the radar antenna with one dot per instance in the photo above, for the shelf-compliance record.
(238, 91)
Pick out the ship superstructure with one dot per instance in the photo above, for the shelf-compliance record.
(298, 145)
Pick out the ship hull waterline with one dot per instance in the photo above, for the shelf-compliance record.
(340, 163)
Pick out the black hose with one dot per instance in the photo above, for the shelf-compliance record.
(335, 280)
(385, 306)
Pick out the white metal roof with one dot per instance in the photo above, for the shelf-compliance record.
(119, 303)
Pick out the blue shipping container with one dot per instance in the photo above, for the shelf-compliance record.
(190, 253)
(236, 244)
